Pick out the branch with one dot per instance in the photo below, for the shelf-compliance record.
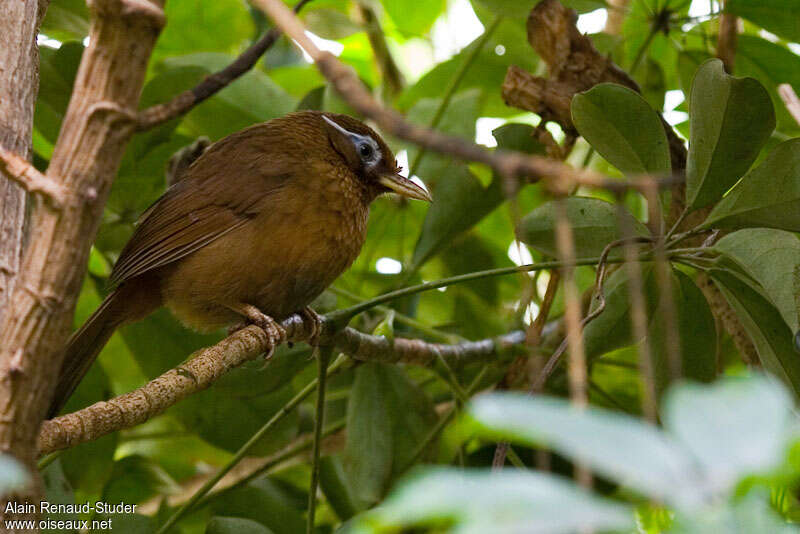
(95, 130)
(558, 177)
(185, 101)
(574, 65)
(208, 365)
(21, 171)
(726, 43)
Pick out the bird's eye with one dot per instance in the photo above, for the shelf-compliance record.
(365, 151)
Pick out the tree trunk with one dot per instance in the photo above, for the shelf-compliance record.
(19, 83)
(99, 121)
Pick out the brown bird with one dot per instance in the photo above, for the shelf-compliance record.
(253, 231)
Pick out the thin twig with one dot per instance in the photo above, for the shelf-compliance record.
(639, 319)
(576, 364)
(324, 356)
(211, 85)
(728, 36)
(557, 176)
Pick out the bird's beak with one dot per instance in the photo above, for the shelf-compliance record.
(404, 186)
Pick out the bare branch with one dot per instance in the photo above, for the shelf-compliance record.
(558, 177)
(25, 174)
(185, 101)
(728, 37)
(207, 365)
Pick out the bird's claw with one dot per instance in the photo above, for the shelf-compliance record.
(316, 325)
(275, 332)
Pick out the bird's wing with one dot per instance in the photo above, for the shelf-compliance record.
(186, 218)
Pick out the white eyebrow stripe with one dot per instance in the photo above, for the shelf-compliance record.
(356, 138)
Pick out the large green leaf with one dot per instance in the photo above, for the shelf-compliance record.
(767, 196)
(461, 200)
(264, 502)
(413, 18)
(595, 223)
(733, 428)
(57, 490)
(623, 128)
(731, 119)
(387, 417)
(196, 28)
(781, 17)
(66, 19)
(612, 328)
(478, 502)
(650, 461)
(696, 335)
(250, 99)
(767, 329)
(57, 71)
(771, 258)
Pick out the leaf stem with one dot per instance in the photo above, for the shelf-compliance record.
(324, 356)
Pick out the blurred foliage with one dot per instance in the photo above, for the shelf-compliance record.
(743, 161)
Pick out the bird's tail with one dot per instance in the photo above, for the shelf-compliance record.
(82, 349)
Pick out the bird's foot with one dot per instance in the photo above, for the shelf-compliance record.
(316, 325)
(275, 332)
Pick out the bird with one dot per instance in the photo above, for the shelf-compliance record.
(252, 231)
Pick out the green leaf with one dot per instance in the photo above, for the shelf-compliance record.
(235, 525)
(595, 223)
(768, 331)
(623, 128)
(387, 417)
(250, 99)
(510, 501)
(57, 71)
(413, 18)
(460, 201)
(649, 461)
(136, 478)
(696, 335)
(772, 65)
(57, 490)
(781, 17)
(767, 196)
(734, 428)
(337, 489)
(193, 30)
(770, 257)
(612, 328)
(752, 513)
(731, 119)
(66, 19)
(264, 502)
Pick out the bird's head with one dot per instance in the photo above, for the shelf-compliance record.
(369, 157)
